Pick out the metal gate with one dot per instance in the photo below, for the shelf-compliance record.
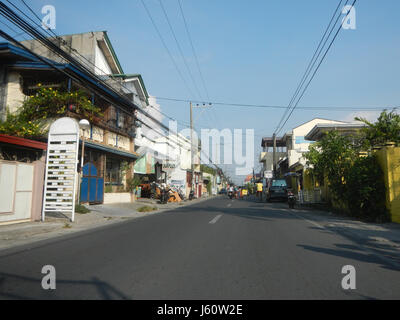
(92, 187)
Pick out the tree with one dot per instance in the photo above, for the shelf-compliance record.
(365, 190)
(356, 183)
(331, 158)
(207, 169)
(385, 129)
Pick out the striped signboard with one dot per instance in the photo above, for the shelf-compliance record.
(61, 168)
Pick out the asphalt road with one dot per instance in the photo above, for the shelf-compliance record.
(218, 249)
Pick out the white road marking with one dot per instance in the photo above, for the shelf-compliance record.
(229, 205)
(309, 221)
(215, 220)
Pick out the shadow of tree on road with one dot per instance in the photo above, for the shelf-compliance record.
(104, 290)
(351, 254)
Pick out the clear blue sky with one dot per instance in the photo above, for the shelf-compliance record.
(250, 52)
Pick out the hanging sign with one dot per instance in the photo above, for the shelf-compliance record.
(169, 166)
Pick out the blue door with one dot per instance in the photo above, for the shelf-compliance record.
(92, 186)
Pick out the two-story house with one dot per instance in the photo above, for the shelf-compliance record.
(109, 143)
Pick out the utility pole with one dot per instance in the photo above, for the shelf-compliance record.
(191, 140)
(274, 155)
(197, 141)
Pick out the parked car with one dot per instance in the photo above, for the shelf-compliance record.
(277, 190)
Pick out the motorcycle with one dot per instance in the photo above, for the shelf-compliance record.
(153, 190)
(164, 197)
(230, 194)
(291, 199)
(191, 195)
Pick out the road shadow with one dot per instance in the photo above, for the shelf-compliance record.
(352, 252)
(104, 290)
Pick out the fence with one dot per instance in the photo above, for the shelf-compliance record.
(310, 196)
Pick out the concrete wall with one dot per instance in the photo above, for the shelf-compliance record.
(86, 44)
(38, 188)
(389, 159)
(110, 198)
(102, 67)
(22, 191)
(14, 94)
(112, 139)
(124, 143)
(91, 45)
(3, 92)
(266, 158)
(97, 134)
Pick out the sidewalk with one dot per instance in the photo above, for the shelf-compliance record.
(100, 215)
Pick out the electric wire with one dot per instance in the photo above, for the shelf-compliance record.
(316, 70)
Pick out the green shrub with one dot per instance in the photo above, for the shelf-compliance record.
(355, 183)
(147, 209)
(31, 118)
(81, 209)
(365, 190)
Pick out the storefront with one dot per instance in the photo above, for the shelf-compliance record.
(112, 166)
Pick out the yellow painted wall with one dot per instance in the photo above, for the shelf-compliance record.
(389, 159)
(308, 181)
(310, 184)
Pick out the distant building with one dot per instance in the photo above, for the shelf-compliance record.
(266, 157)
(297, 144)
(294, 144)
(318, 132)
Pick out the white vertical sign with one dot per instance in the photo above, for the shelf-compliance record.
(61, 168)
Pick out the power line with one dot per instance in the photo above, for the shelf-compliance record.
(166, 47)
(193, 49)
(316, 70)
(244, 105)
(13, 17)
(180, 48)
(17, 34)
(63, 42)
(65, 56)
(9, 14)
(54, 66)
(311, 64)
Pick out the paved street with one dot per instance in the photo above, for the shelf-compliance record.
(217, 249)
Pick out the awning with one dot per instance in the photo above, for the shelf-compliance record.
(112, 150)
(292, 174)
(33, 144)
(159, 157)
(145, 165)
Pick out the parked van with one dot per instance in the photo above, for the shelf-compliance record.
(277, 190)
